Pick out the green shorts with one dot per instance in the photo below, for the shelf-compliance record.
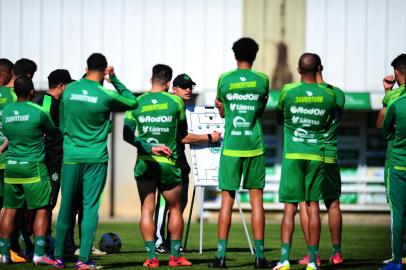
(1, 182)
(26, 182)
(301, 180)
(167, 176)
(332, 181)
(251, 169)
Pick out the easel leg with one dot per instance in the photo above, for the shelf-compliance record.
(201, 219)
(237, 198)
(189, 219)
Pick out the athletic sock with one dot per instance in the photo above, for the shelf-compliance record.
(313, 254)
(336, 249)
(39, 245)
(285, 251)
(259, 248)
(5, 246)
(175, 248)
(221, 248)
(150, 248)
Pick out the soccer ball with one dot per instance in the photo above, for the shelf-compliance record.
(110, 243)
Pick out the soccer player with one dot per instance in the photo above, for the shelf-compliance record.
(393, 129)
(157, 119)
(183, 87)
(57, 82)
(306, 109)
(85, 124)
(26, 177)
(332, 179)
(242, 95)
(6, 68)
(23, 67)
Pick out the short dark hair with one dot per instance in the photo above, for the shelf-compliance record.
(6, 65)
(24, 67)
(97, 62)
(245, 49)
(318, 61)
(23, 86)
(399, 63)
(308, 64)
(161, 74)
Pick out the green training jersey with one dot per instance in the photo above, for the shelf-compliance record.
(157, 120)
(389, 97)
(7, 96)
(330, 143)
(85, 118)
(24, 124)
(394, 126)
(244, 94)
(308, 110)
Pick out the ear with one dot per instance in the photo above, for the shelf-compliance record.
(174, 89)
(298, 70)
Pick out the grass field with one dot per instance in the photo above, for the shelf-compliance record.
(364, 247)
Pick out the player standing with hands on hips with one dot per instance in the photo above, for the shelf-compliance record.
(242, 95)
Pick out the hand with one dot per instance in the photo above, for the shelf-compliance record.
(161, 151)
(388, 82)
(108, 73)
(219, 105)
(215, 136)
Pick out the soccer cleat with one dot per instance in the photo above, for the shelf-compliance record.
(285, 265)
(85, 266)
(59, 263)
(312, 266)
(16, 258)
(181, 261)
(5, 259)
(261, 263)
(218, 263)
(392, 266)
(306, 260)
(391, 259)
(44, 259)
(151, 263)
(95, 252)
(162, 249)
(336, 258)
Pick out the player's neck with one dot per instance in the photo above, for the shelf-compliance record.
(244, 65)
(11, 82)
(158, 88)
(309, 79)
(319, 78)
(55, 92)
(94, 76)
(22, 99)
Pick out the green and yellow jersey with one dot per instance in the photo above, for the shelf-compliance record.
(244, 94)
(7, 96)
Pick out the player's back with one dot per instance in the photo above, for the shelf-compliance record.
(243, 93)
(308, 110)
(158, 116)
(25, 124)
(398, 153)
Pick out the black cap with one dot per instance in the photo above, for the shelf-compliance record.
(59, 76)
(183, 80)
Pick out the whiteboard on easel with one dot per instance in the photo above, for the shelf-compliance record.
(205, 158)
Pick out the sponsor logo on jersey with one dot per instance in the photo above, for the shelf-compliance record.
(155, 119)
(309, 99)
(152, 141)
(248, 132)
(154, 106)
(17, 117)
(242, 85)
(304, 121)
(236, 96)
(239, 122)
(302, 133)
(236, 133)
(155, 130)
(312, 111)
(243, 79)
(84, 97)
(241, 108)
(154, 101)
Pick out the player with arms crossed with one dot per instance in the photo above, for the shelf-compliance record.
(306, 109)
(242, 95)
(85, 124)
(393, 129)
(157, 119)
(26, 177)
(332, 180)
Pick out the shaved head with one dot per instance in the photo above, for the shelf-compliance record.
(308, 64)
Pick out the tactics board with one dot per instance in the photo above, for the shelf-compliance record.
(205, 158)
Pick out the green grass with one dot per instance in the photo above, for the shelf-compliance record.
(364, 247)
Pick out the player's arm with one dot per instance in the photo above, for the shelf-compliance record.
(218, 102)
(122, 100)
(381, 116)
(264, 100)
(388, 123)
(388, 83)
(4, 146)
(280, 114)
(191, 138)
(48, 126)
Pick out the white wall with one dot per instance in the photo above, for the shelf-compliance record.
(191, 36)
(356, 39)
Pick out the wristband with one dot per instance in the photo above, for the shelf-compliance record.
(210, 138)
